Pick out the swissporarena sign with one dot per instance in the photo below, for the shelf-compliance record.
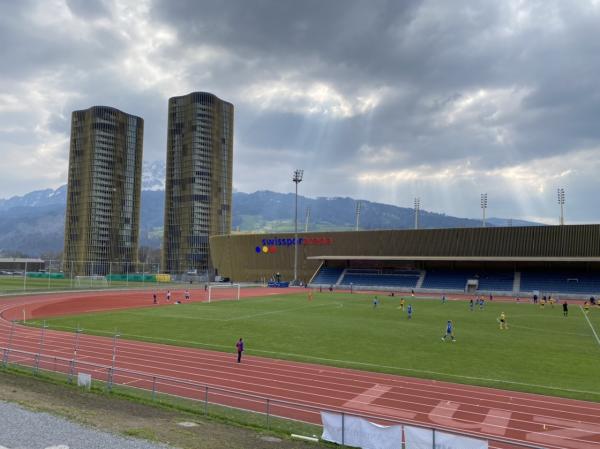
(270, 245)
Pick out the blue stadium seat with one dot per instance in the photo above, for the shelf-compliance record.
(327, 276)
(457, 280)
(560, 282)
(381, 278)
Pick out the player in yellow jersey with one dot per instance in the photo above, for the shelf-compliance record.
(586, 307)
(551, 300)
(402, 304)
(310, 295)
(502, 321)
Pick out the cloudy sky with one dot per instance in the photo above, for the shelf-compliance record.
(381, 100)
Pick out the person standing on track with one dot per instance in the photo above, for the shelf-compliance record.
(168, 295)
(187, 295)
(240, 348)
(154, 300)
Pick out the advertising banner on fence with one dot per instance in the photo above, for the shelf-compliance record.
(418, 438)
(359, 432)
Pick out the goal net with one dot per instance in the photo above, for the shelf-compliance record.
(218, 292)
(91, 281)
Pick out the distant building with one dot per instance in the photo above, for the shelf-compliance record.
(199, 180)
(104, 189)
(19, 265)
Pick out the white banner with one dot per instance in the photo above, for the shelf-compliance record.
(358, 432)
(418, 438)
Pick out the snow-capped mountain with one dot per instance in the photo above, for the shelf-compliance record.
(34, 223)
(38, 198)
(153, 178)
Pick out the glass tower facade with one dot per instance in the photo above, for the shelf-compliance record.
(104, 190)
(198, 188)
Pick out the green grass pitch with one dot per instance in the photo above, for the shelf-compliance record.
(542, 351)
(16, 284)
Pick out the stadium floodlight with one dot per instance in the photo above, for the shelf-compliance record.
(417, 209)
(484, 204)
(358, 206)
(297, 179)
(307, 219)
(561, 203)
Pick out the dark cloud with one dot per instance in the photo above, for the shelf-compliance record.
(380, 99)
(89, 9)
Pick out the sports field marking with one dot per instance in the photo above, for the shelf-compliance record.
(204, 318)
(590, 323)
(547, 331)
(273, 312)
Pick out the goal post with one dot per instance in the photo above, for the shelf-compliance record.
(91, 281)
(223, 292)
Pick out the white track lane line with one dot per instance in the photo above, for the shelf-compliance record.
(173, 363)
(289, 391)
(590, 323)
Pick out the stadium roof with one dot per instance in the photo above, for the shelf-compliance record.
(462, 258)
(19, 260)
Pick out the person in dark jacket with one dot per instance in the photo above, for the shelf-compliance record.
(240, 348)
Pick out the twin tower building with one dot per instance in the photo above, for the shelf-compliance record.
(102, 222)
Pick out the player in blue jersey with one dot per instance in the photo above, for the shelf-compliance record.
(409, 311)
(449, 331)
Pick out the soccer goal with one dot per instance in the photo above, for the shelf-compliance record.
(218, 292)
(91, 281)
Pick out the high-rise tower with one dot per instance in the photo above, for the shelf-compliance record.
(103, 199)
(198, 182)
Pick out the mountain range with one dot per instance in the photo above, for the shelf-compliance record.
(33, 224)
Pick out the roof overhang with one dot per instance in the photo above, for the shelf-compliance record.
(462, 258)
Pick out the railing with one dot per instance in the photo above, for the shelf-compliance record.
(155, 387)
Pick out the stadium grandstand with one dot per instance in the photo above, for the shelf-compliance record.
(553, 260)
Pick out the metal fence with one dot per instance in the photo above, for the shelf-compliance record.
(264, 411)
(59, 274)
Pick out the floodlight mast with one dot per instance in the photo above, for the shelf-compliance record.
(417, 209)
(358, 206)
(297, 179)
(561, 203)
(484, 203)
(307, 219)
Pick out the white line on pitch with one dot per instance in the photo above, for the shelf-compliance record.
(590, 323)
(274, 312)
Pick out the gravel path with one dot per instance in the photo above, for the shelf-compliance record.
(23, 429)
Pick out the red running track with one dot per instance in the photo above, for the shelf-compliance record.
(533, 419)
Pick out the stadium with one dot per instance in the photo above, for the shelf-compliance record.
(541, 260)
